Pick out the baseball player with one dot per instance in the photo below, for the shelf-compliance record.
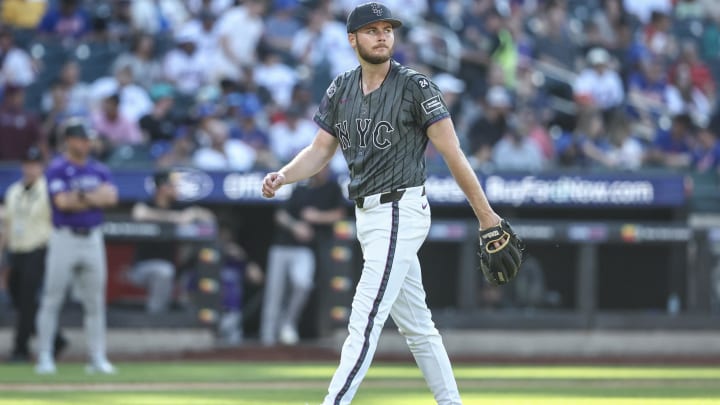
(79, 188)
(304, 219)
(382, 115)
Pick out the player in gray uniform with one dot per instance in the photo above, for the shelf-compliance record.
(79, 188)
(382, 115)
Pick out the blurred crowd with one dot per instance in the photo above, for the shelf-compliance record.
(233, 84)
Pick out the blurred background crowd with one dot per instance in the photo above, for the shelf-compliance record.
(233, 84)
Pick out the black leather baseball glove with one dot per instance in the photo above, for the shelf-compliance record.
(501, 253)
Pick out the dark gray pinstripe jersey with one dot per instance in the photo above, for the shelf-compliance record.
(382, 134)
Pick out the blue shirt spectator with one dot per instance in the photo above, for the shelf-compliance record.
(67, 20)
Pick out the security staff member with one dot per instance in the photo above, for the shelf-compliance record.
(25, 235)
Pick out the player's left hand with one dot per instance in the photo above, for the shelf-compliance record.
(501, 253)
(272, 182)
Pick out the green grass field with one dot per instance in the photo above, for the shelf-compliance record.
(221, 383)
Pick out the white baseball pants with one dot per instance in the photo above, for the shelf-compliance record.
(390, 235)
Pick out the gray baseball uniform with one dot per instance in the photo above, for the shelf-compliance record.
(76, 250)
(383, 138)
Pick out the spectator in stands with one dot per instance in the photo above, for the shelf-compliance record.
(16, 66)
(278, 78)
(673, 147)
(573, 147)
(22, 14)
(116, 16)
(207, 39)
(591, 137)
(78, 92)
(657, 37)
(183, 65)
(689, 63)
(504, 50)
(19, 128)
(238, 51)
(599, 85)
(68, 20)
(554, 43)
(487, 130)
(158, 16)
(648, 92)
(223, 153)
(322, 47)
(281, 26)
(531, 121)
(154, 263)
(302, 96)
(53, 118)
(477, 35)
(159, 126)
(527, 91)
(705, 156)
(289, 136)
(684, 98)
(608, 19)
(114, 128)
(244, 126)
(134, 99)
(145, 68)
(180, 152)
(516, 151)
(625, 151)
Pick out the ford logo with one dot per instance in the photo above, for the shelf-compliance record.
(192, 184)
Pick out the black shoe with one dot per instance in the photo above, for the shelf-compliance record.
(19, 358)
(60, 345)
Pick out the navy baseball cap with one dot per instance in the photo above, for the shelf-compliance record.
(76, 130)
(369, 13)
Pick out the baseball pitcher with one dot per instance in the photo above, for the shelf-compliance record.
(80, 188)
(382, 115)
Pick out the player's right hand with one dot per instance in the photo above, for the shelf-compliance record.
(272, 182)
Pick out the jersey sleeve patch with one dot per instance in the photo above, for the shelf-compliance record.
(432, 104)
(331, 90)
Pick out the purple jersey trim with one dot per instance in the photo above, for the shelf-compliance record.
(435, 119)
(324, 127)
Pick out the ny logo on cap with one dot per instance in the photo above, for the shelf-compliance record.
(376, 9)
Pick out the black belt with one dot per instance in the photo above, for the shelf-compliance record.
(80, 231)
(391, 196)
